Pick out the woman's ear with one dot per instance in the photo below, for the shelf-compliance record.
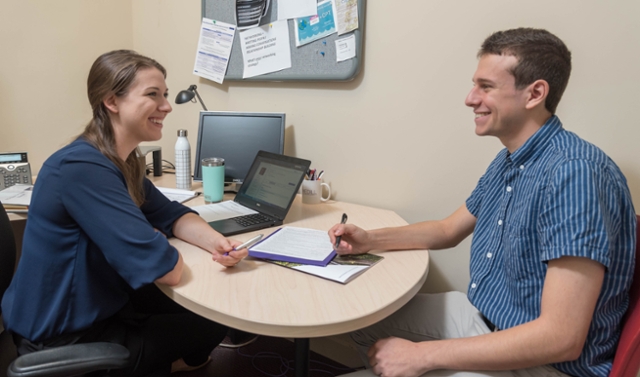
(111, 104)
(538, 92)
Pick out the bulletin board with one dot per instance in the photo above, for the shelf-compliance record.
(315, 61)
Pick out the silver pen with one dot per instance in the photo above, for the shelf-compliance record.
(248, 243)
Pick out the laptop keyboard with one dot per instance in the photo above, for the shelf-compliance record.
(248, 220)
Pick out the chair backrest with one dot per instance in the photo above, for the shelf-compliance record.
(7, 252)
(627, 360)
(7, 263)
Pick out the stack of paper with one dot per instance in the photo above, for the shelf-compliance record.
(310, 251)
(342, 269)
(178, 195)
(16, 196)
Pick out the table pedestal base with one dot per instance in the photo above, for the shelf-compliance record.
(302, 357)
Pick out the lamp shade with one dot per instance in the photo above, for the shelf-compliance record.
(185, 96)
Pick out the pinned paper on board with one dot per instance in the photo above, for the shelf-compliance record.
(214, 48)
(346, 48)
(347, 15)
(250, 12)
(265, 49)
(309, 29)
(288, 9)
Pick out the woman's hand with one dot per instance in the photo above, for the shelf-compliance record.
(223, 251)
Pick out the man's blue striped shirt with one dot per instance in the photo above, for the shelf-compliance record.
(557, 195)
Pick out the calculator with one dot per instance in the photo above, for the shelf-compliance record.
(14, 169)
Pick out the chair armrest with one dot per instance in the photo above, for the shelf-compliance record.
(71, 360)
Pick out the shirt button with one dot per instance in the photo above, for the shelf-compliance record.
(473, 285)
(508, 188)
(521, 167)
(499, 222)
(489, 255)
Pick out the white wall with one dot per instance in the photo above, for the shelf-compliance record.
(46, 50)
(397, 137)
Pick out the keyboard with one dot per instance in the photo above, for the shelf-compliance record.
(255, 218)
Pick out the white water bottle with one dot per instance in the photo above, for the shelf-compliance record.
(183, 161)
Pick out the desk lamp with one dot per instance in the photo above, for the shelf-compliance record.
(188, 95)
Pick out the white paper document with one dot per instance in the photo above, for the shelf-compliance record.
(336, 272)
(16, 195)
(347, 15)
(178, 195)
(265, 49)
(249, 13)
(342, 269)
(308, 244)
(346, 48)
(222, 210)
(296, 8)
(214, 49)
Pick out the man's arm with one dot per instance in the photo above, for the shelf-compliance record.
(571, 289)
(432, 235)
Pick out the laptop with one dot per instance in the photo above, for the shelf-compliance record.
(269, 189)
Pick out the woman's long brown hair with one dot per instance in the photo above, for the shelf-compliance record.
(113, 73)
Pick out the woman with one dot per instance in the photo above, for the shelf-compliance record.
(96, 239)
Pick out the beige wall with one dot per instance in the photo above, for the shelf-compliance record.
(397, 137)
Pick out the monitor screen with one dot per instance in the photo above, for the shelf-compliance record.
(237, 137)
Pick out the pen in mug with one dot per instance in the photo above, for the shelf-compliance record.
(247, 244)
(339, 238)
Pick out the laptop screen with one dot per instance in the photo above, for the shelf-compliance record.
(272, 183)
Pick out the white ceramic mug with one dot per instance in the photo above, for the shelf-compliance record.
(312, 192)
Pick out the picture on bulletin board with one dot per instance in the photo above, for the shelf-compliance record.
(326, 46)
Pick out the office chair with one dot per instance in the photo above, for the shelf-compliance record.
(71, 360)
(627, 360)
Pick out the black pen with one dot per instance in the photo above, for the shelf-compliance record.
(344, 220)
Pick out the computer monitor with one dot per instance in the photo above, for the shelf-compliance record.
(237, 137)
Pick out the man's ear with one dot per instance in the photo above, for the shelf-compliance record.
(537, 94)
(111, 104)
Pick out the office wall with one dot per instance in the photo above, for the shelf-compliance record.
(46, 50)
(397, 137)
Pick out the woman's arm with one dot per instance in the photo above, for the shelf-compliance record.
(173, 277)
(194, 230)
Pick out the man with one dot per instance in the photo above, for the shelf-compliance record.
(553, 248)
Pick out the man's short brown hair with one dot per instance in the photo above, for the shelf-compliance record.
(541, 56)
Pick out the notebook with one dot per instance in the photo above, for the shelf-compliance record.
(269, 189)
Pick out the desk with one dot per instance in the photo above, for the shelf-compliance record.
(267, 299)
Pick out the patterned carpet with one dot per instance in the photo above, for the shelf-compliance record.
(266, 356)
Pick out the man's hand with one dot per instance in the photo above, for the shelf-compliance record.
(354, 240)
(395, 357)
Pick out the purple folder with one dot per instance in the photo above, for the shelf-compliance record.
(278, 257)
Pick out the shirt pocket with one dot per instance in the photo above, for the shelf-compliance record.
(520, 255)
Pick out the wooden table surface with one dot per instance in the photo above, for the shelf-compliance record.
(267, 299)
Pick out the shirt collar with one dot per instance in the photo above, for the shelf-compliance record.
(535, 144)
